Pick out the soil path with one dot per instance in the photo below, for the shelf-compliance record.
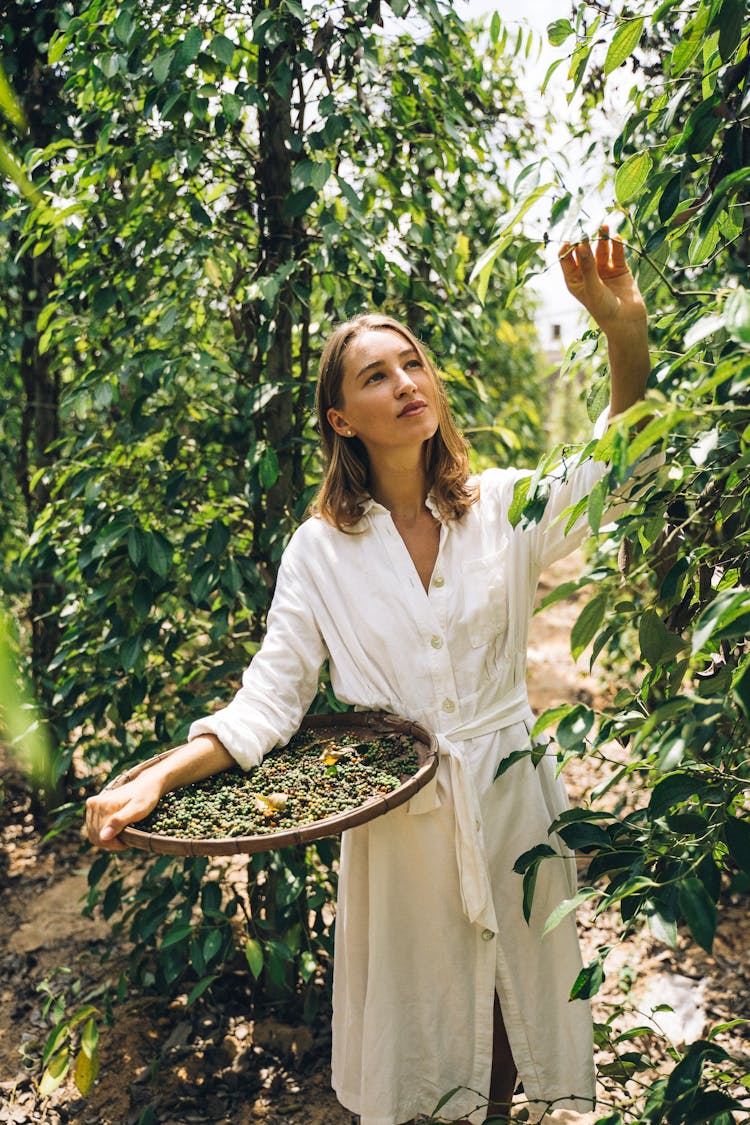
(164, 1065)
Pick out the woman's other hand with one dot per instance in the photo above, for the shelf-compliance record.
(601, 280)
(112, 810)
(109, 812)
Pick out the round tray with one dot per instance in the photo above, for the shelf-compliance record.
(375, 722)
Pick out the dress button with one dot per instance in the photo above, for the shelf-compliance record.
(487, 935)
(449, 705)
(437, 642)
(438, 580)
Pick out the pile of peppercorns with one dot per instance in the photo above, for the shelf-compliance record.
(320, 773)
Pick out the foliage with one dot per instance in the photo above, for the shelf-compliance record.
(72, 1046)
(670, 605)
(209, 196)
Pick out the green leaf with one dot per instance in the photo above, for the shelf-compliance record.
(567, 906)
(188, 49)
(480, 275)
(699, 911)
(85, 1071)
(254, 955)
(217, 539)
(495, 27)
(517, 504)
(307, 965)
(231, 107)
(741, 688)
(549, 717)
(532, 856)
(529, 886)
(737, 835)
(596, 503)
(663, 929)
(702, 246)
(160, 67)
(574, 726)
(124, 26)
(54, 1073)
(130, 650)
(176, 934)
(158, 553)
(299, 201)
(589, 621)
(724, 616)
(737, 316)
(222, 49)
(550, 71)
(211, 944)
(200, 988)
(632, 175)
(57, 45)
(730, 27)
(90, 1036)
(672, 790)
(268, 467)
(511, 759)
(558, 31)
(657, 644)
(136, 546)
(588, 982)
(623, 44)
(445, 1099)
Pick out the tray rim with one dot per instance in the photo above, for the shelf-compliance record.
(374, 807)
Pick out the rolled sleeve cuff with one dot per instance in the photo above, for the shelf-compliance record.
(246, 751)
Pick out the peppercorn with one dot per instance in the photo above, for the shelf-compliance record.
(319, 774)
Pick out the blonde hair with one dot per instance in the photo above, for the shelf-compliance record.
(344, 490)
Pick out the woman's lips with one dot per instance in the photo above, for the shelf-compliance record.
(413, 408)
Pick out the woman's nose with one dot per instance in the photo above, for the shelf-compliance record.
(404, 381)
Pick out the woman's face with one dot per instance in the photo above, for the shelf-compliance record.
(388, 397)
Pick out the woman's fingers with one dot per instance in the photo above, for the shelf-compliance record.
(618, 254)
(571, 269)
(98, 828)
(108, 813)
(586, 259)
(603, 250)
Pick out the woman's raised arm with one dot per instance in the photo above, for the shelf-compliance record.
(601, 280)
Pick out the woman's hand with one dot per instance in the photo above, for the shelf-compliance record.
(601, 280)
(109, 812)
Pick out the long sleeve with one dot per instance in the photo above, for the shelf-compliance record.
(281, 681)
(551, 542)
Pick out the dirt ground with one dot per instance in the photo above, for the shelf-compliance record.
(221, 1062)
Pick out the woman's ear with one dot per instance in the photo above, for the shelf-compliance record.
(338, 422)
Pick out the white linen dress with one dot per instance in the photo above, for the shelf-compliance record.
(429, 916)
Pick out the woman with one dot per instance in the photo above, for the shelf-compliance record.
(412, 583)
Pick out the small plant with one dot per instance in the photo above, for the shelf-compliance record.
(73, 1042)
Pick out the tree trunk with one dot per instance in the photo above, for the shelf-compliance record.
(277, 248)
(40, 428)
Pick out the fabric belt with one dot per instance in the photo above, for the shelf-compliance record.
(476, 889)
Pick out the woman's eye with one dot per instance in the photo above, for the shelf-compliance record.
(374, 376)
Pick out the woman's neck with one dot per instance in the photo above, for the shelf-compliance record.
(401, 488)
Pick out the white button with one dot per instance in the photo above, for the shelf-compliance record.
(449, 705)
(487, 935)
(437, 642)
(438, 580)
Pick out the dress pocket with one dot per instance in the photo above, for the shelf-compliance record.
(485, 593)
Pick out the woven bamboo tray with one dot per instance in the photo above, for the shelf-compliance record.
(369, 722)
